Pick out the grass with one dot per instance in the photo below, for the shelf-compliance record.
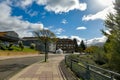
(17, 51)
(79, 68)
(88, 59)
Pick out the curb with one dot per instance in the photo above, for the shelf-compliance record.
(61, 72)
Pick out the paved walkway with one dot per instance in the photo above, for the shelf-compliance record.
(42, 71)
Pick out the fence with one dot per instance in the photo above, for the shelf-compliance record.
(87, 71)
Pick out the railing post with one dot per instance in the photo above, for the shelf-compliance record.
(65, 59)
(87, 72)
(112, 76)
(71, 64)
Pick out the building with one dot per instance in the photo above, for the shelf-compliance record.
(67, 45)
(27, 41)
(9, 36)
(52, 47)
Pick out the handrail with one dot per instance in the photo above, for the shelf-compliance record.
(90, 67)
(104, 70)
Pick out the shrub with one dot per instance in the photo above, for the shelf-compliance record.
(99, 56)
(32, 46)
(21, 45)
(2, 46)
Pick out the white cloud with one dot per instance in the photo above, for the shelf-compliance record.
(79, 39)
(104, 2)
(36, 26)
(58, 31)
(72, 37)
(57, 6)
(81, 28)
(63, 36)
(24, 3)
(64, 21)
(41, 2)
(60, 6)
(101, 14)
(8, 22)
(89, 42)
(31, 12)
(25, 33)
(95, 41)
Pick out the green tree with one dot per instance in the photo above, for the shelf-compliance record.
(45, 36)
(112, 45)
(76, 45)
(90, 49)
(20, 43)
(82, 46)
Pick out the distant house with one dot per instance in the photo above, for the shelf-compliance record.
(27, 41)
(9, 36)
(67, 45)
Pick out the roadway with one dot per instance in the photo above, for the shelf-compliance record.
(9, 67)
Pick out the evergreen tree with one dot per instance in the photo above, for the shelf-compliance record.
(76, 45)
(82, 46)
(112, 45)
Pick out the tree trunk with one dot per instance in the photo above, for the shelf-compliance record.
(46, 52)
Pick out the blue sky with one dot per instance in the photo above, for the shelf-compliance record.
(81, 19)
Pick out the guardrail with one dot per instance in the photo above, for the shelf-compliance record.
(90, 72)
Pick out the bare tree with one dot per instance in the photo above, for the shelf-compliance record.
(45, 36)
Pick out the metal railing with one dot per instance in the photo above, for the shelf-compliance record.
(87, 71)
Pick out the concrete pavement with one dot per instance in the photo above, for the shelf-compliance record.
(42, 70)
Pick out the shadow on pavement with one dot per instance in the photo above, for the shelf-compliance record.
(9, 70)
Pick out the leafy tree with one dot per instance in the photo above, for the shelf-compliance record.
(112, 45)
(99, 55)
(82, 46)
(2, 47)
(90, 49)
(21, 45)
(76, 45)
(45, 36)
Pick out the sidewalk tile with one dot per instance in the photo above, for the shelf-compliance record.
(41, 71)
(35, 78)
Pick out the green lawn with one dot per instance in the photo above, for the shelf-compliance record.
(17, 51)
(26, 49)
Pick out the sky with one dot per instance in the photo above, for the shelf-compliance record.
(80, 19)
